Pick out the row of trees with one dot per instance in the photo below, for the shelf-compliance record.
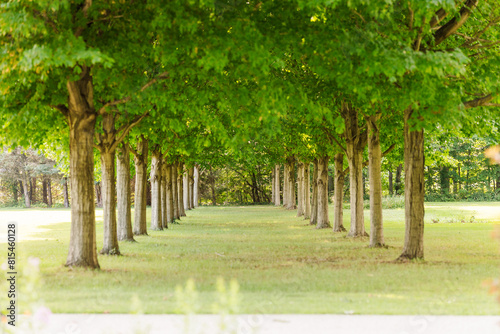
(293, 82)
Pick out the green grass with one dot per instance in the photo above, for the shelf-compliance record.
(282, 265)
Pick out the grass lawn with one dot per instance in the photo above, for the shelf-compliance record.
(282, 265)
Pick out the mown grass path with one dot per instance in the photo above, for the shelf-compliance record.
(282, 264)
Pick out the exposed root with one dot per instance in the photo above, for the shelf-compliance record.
(341, 228)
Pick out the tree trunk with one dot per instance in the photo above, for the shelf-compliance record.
(163, 195)
(273, 184)
(444, 176)
(34, 199)
(81, 120)
(277, 186)
(286, 186)
(322, 218)
(300, 189)
(26, 181)
(354, 152)
(169, 195)
(290, 205)
(110, 246)
(44, 191)
(49, 193)
(15, 195)
(414, 192)
(185, 187)
(155, 178)
(140, 162)
(196, 186)
(374, 167)
(191, 187)
(391, 186)
(180, 189)
(307, 191)
(175, 192)
(338, 211)
(98, 194)
(65, 192)
(314, 204)
(398, 179)
(124, 216)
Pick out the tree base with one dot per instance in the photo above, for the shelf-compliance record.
(82, 264)
(379, 245)
(404, 258)
(357, 235)
(112, 251)
(128, 239)
(319, 227)
(341, 228)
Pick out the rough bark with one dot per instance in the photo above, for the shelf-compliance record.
(98, 194)
(175, 192)
(140, 162)
(414, 191)
(155, 178)
(49, 193)
(354, 151)
(322, 215)
(300, 189)
(81, 118)
(163, 195)
(196, 187)
(110, 244)
(180, 189)
(374, 168)
(65, 192)
(108, 185)
(277, 186)
(290, 203)
(169, 195)
(307, 191)
(124, 203)
(338, 208)
(191, 188)
(314, 204)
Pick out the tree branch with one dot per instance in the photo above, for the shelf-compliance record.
(479, 102)
(451, 26)
(129, 98)
(438, 17)
(126, 128)
(366, 162)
